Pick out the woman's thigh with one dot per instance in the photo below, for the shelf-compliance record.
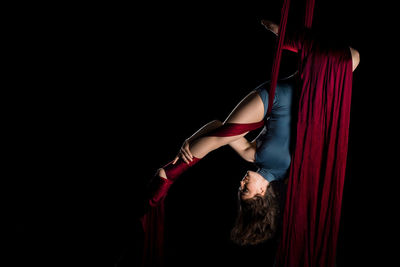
(249, 110)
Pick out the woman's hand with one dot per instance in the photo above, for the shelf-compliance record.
(184, 153)
(271, 26)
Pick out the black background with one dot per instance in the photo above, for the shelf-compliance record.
(99, 96)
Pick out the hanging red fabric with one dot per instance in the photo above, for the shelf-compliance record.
(309, 14)
(315, 186)
(308, 18)
(278, 54)
(316, 177)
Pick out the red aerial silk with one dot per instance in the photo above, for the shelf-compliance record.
(153, 220)
(308, 18)
(278, 54)
(316, 177)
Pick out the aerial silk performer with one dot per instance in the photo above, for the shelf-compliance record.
(259, 191)
(316, 169)
(247, 116)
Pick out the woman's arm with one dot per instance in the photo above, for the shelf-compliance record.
(244, 148)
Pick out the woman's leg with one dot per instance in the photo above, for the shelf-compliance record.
(249, 110)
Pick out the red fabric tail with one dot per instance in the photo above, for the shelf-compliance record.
(153, 220)
(158, 190)
(153, 251)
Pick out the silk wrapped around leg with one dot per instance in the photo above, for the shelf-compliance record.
(153, 220)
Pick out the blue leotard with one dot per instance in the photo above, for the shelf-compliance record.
(272, 155)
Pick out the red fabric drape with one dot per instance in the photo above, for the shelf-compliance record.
(309, 13)
(313, 204)
(308, 18)
(153, 220)
(315, 187)
(153, 228)
(278, 54)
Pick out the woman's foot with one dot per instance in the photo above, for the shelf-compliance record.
(161, 173)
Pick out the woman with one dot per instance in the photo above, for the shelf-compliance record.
(259, 190)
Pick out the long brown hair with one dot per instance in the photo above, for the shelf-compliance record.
(258, 218)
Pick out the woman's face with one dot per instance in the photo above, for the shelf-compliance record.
(252, 184)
